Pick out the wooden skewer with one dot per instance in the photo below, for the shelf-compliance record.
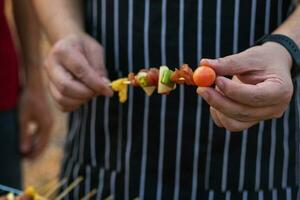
(52, 190)
(89, 195)
(10, 189)
(124, 82)
(128, 82)
(69, 188)
(109, 198)
(42, 189)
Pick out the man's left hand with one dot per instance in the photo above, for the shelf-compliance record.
(261, 87)
(36, 123)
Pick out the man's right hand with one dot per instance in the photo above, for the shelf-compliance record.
(76, 70)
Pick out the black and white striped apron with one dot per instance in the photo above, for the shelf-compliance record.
(167, 147)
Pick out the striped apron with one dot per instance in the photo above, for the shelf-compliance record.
(167, 147)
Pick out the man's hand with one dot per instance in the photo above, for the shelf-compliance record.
(36, 123)
(261, 87)
(76, 71)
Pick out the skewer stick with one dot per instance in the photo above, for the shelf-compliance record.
(89, 195)
(124, 82)
(52, 190)
(128, 82)
(109, 198)
(44, 188)
(10, 189)
(69, 188)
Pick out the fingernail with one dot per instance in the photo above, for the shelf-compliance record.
(203, 93)
(106, 82)
(210, 62)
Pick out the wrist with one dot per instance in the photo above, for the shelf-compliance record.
(33, 78)
(67, 32)
(280, 52)
(56, 30)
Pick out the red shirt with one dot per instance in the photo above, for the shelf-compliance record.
(9, 80)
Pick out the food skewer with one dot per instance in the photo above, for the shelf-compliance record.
(164, 80)
(109, 198)
(89, 195)
(124, 82)
(45, 188)
(31, 193)
(10, 189)
(52, 190)
(69, 188)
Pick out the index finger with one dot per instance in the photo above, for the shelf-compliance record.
(77, 64)
(262, 94)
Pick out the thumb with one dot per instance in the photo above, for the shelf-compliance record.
(228, 66)
(41, 137)
(26, 134)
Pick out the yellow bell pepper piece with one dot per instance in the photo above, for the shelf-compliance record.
(120, 87)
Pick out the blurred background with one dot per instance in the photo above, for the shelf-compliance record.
(46, 167)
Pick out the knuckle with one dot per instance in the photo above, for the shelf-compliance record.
(233, 127)
(58, 48)
(229, 91)
(287, 95)
(79, 71)
(76, 47)
(60, 99)
(243, 115)
(278, 114)
(229, 60)
(259, 98)
(64, 87)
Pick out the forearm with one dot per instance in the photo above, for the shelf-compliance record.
(60, 18)
(29, 36)
(291, 27)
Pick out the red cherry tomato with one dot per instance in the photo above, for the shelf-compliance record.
(204, 76)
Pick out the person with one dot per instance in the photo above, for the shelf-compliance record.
(179, 146)
(25, 105)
